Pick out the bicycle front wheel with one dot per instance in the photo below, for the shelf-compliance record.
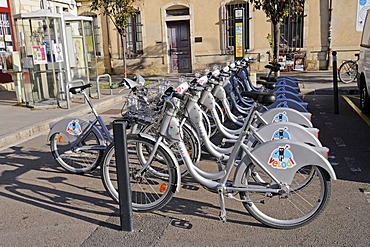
(82, 158)
(152, 185)
(347, 72)
(308, 196)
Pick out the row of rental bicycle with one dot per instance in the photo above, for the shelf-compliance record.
(265, 152)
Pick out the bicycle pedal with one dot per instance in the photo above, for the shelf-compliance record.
(222, 216)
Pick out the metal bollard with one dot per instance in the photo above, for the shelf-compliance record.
(123, 177)
(335, 83)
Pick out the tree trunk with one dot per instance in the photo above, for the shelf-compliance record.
(123, 44)
(276, 29)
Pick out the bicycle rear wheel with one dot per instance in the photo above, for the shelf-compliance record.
(308, 196)
(212, 121)
(151, 188)
(191, 141)
(82, 161)
(347, 72)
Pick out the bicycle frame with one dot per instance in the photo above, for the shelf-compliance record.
(86, 127)
(272, 115)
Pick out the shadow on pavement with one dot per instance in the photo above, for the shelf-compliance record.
(30, 178)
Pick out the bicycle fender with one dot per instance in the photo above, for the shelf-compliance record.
(287, 103)
(72, 127)
(283, 158)
(289, 95)
(168, 150)
(289, 78)
(290, 131)
(287, 115)
(281, 88)
(286, 82)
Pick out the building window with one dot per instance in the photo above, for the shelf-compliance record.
(134, 36)
(291, 34)
(228, 20)
(97, 38)
(6, 36)
(177, 12)
(96, 28)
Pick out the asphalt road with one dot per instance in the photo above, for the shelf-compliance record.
(42, 205)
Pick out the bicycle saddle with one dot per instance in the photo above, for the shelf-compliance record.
(273, 67)
(79, 89)
(267, 84)
(261, 97)
(269, 79)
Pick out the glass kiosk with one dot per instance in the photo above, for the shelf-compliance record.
(80, 40)
(56, 50)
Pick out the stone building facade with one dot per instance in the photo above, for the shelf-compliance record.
(189, 35)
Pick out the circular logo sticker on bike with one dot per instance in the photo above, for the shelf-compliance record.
(74, 128)
(282, 158)
(281, 133)
(280, 117)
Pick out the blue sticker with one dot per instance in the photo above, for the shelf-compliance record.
(283, 104)
(281, 133)
(281, 96)
(362, 2)
(280, 117)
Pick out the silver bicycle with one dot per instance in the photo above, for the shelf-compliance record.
(268, 179)
(348, 70)
(76, 143)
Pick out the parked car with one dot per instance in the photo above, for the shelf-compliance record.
(363, 80)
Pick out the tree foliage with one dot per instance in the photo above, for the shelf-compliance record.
(276, 10)
(118, 11)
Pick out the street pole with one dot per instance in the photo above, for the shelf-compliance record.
(330, 31)
(335, 83)
(123, 175)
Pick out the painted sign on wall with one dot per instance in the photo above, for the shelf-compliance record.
(3, 4)
(239, 34)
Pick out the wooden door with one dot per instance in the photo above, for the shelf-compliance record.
(179, 46)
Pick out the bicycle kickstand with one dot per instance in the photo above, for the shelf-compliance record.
(222, 214)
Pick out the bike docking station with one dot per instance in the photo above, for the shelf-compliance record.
(123, 176)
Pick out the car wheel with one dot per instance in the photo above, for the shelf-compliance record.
(364, 99)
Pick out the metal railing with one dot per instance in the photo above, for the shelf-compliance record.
(98, 83)
(68, 86)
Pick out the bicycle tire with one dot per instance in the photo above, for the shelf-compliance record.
(206, 122)
(212, 121)
(80, 162)
(347, 72)
(190, 139)
(302, 205)
(151, 190)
